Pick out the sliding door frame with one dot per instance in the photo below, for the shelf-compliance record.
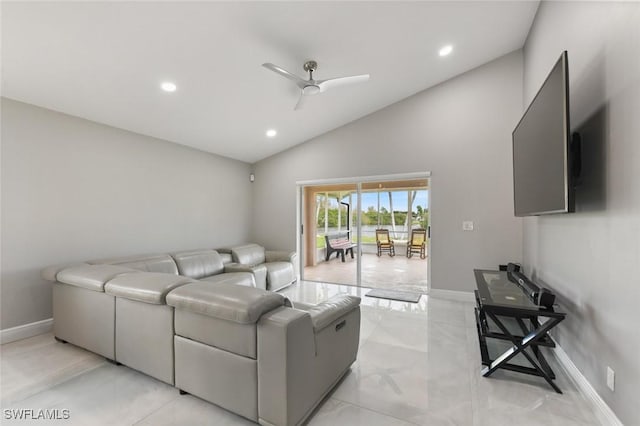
(358, 181)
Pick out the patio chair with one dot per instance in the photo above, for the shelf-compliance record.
(384, 242)
(417, 243)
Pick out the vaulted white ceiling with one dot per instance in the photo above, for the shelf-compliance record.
(105, 62)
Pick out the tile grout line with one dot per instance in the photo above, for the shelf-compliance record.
(375, 411)
(172, 401)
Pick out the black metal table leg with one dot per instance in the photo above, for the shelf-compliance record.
(520, 347)
(534, 348)
(484, 352)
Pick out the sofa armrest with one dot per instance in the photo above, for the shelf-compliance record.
(50, 273)
(284, 256)
(298, 366)
(329, 311)
(280, 256)
(259, 272)
(286, 367)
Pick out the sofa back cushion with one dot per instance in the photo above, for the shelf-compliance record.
(92, 277)
(198, 263)
(249, 254)
(225, 301)
(163, 263)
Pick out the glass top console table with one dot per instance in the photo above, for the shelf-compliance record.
(506, 313)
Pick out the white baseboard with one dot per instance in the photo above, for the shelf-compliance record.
(603, 412)
(25, 331)
(460, 296)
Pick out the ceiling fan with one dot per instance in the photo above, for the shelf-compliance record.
(313, 87)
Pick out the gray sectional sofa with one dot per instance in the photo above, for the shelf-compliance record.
(207, 322)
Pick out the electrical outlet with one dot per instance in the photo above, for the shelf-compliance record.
(467, 225)
(611, 379)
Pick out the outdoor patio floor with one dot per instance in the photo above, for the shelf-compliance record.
(398, 272)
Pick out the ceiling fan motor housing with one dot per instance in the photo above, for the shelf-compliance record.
(310, 66)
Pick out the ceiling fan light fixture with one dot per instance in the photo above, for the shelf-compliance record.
(311, 90)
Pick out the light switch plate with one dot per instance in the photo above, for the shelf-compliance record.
(467, 225)
(611, 379)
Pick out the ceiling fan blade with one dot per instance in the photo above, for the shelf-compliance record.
(301, 101)
(298, 80)
(340, 81)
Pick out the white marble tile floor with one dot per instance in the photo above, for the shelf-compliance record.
(418, 364)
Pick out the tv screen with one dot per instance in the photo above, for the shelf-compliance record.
(541, 161)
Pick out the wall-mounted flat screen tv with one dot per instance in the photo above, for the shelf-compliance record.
(542, 173)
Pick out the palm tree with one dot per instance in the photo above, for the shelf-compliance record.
(409, 219)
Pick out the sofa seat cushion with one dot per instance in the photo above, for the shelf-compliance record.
(259, 272)
(237, 278)
(198, 264)
(150, 287)
(92, 277)
(248, 254)
(244, 305)
(279, 274)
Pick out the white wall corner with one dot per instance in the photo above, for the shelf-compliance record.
(25, 331)
(603, 412)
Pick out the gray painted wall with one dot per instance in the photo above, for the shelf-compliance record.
(459, 130)
(76, 190)
(591, 257)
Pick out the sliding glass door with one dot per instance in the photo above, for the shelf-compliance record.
(341, 223)
(395, 210)
(329, 228)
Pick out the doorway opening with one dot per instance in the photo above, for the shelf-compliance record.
(359, 232)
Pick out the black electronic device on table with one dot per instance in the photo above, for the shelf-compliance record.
(509, 307)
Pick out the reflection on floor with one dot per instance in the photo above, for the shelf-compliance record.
(418, 365)
(396, 272)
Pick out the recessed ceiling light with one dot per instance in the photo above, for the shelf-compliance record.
(271, 133)
(446, 50)
(168, 86)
